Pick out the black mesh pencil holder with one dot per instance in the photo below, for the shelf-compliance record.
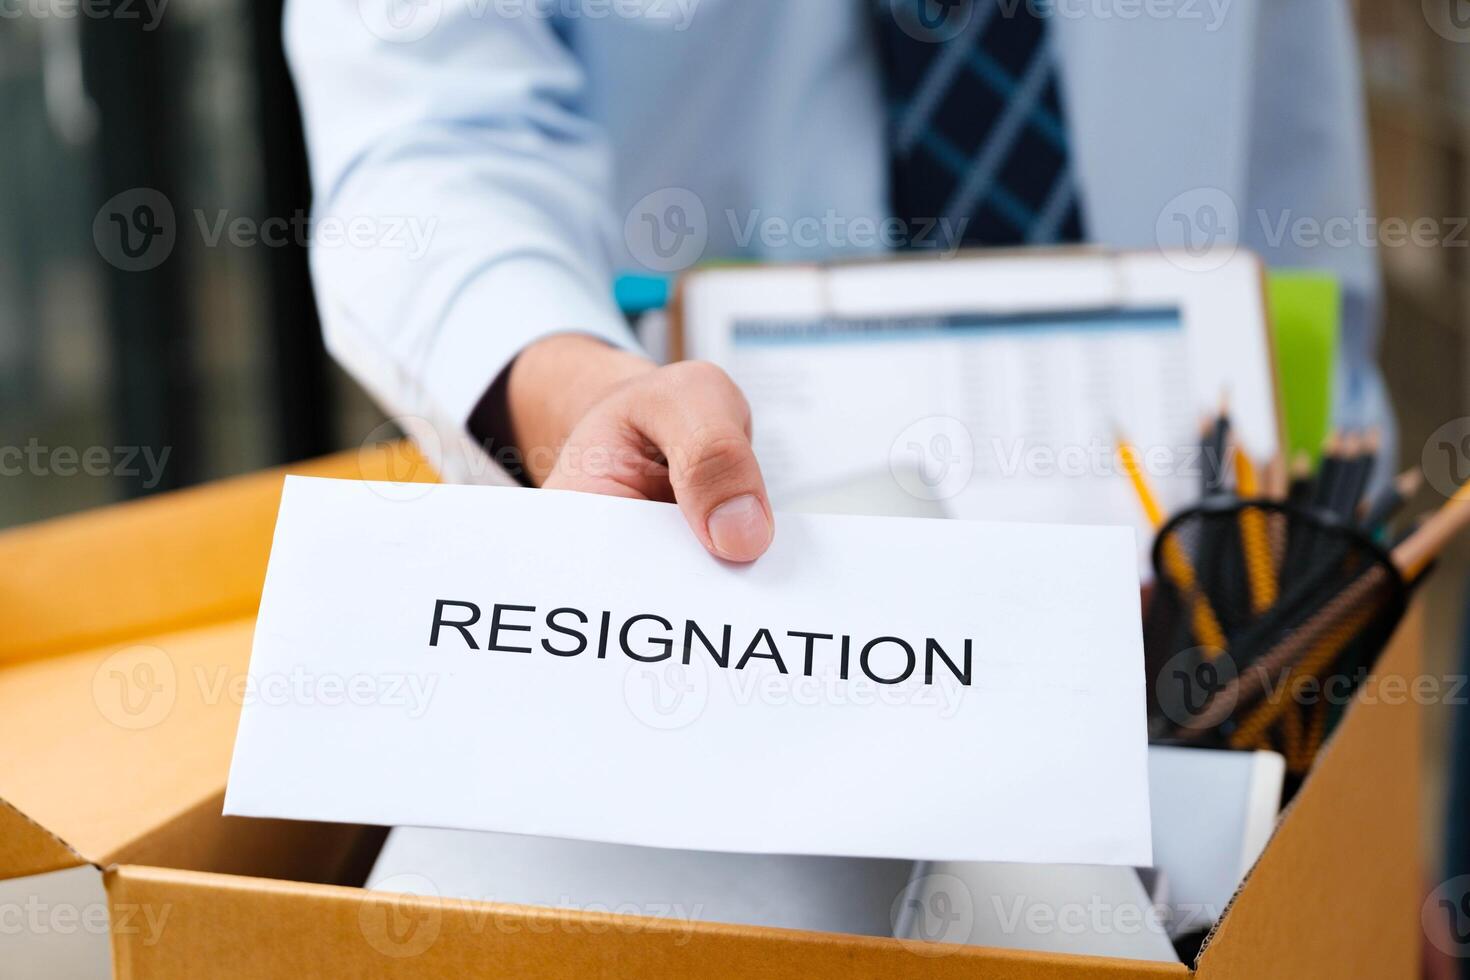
(1265, 619)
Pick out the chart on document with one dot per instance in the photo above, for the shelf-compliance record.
(1010, 417)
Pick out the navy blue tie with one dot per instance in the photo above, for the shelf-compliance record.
(977, 130)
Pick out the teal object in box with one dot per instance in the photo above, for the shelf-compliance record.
(637, 294)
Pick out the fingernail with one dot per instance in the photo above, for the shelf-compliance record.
(740, 529)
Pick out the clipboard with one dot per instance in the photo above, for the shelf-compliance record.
(1037, 357)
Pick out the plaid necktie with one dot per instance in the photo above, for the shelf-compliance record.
(977, 130)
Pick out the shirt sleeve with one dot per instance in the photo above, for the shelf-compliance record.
(461, 198)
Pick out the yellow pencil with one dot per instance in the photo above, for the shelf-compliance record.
(1176, 563)
(1146, 496)
(1260, 566)
(1247, 485)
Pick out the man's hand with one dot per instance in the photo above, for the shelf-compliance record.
(591, 418)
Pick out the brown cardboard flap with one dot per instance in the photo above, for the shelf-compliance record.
(121, 740)
(217, 925)
(122, 663)
(134, 762)
(156, 565)
(27, 848)
(203, 839)
(1337, 891)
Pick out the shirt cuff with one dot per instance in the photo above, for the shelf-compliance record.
(500, 313)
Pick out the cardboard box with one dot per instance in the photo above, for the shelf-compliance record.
(127, 637)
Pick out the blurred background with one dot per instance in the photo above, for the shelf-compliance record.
(214, 357)
(215, 353)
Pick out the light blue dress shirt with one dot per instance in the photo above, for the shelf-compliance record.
(539, 146)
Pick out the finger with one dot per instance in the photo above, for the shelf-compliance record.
(608, 456)
(700, 421)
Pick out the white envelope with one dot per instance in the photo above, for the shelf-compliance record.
(524, 661)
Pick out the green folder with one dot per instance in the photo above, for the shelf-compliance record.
(1306, 316)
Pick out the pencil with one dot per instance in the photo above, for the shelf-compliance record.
(1176, 563)
(1346, 603)
(1217, 447)
(1421, 548)
(1317, 544)
(1314, 664)
(1367, 465)
(1260, 563)
(1361, 452)
(1276, 486)
(1298, 501)
(1141, 488)
(1247, 484)
(1410, 558)
(1328, 474)
(1300, 492)
(1392, 499)
(1275, 483)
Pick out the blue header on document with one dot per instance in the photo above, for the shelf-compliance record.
(871, 329)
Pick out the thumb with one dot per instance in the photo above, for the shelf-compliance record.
(701, 424)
